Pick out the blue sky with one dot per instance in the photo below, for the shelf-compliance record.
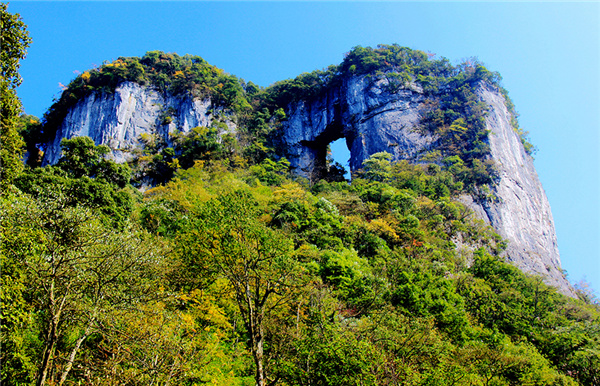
(547, 52)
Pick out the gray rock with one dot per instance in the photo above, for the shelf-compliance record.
(363, 111)
(522, 215)
(119, 119)
(373, 118)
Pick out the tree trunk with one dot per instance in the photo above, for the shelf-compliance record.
(48, 354)
(74, 351)
(254, 325)
(259, 356)
(51, 339)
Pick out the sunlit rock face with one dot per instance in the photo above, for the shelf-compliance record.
(120, 119)
(522, 212)
(372, 118)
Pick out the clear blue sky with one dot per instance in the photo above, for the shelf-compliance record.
(548, 54)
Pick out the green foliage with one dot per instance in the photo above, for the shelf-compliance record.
(85, 177)
(81, 157)
(331, 356)
(377, 167)
(167, 72)
(76, 271)
(346, 272)
(29, 127)
(19, 327)
(14, 41)
(228, 274)
(254, 259)
(270, 172)
(264, 280)
(204, 143)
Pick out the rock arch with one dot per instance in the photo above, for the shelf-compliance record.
(363, 112)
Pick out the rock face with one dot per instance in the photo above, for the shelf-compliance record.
(373, 118)
(522, 214)
(366, 113)
(120, 118)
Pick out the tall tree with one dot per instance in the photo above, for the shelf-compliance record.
(76, 270)
(14, 42)
(255, 259)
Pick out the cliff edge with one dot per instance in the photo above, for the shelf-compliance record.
(373, 119)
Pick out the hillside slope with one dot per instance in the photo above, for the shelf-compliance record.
(390, 100)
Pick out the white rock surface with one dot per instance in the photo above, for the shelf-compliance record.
(522, 215)
(119, 119)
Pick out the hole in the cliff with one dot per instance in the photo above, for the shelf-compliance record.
(339, 158)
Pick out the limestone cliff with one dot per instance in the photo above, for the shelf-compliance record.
(522, 212)
(372, 115)
(119, 119)
(365, 113)
(372, 119)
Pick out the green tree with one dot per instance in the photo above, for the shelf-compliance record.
(14, 42)
(254, 259)
(19, 331)
(81, 157)
(76, 271)
(377, 167)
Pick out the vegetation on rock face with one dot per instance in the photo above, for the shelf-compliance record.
(177, 75)
(453, 114)
(228, 274)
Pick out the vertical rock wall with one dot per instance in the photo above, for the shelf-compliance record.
(119, 119)
(373, 118)
(522, 213)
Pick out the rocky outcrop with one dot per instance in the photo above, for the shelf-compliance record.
(373, 117)
(366, 113)
(521, 214)
(119, 119)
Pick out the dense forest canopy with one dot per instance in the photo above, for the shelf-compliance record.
(231, 270)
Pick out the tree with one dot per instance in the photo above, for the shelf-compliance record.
(377, 167)
(81, 157)
(18, 328)
(14, 42)
(76, 270)
(254, 259)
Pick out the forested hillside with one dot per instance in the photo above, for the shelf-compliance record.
(209, 262)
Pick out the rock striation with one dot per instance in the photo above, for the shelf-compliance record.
(120, 119)
(366, 113)
(522, 213)
(372, 118)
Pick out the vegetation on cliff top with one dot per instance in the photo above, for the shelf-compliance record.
(166, 72)
(235, 272)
